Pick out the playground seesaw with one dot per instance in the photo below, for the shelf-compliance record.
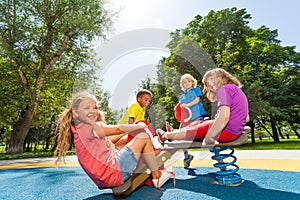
(227, 175)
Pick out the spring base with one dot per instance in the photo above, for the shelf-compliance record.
(228, 170)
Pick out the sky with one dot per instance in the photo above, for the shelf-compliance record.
(142, 27)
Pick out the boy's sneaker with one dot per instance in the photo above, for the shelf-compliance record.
(164, 177)
(187, 161)
(159, 134)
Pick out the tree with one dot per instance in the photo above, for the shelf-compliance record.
(272, 69)
(43, 40)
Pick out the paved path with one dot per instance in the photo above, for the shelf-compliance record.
(286, 160)
(268, 175)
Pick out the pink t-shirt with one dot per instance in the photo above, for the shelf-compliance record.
(96, 158)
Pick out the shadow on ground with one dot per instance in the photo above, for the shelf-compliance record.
(199, 186)
(73, 183)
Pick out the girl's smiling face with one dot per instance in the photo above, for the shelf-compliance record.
(211, 85)
(87, 111)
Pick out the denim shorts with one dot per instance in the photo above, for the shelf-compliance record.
(127, 161)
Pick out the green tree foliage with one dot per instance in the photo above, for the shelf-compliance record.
(44, 47)
(269, 71)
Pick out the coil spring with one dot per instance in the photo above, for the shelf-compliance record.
(226, 176)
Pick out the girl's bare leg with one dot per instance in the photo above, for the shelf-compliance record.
(122, 142)
(141, 145)
(179, 134)
(116, 138)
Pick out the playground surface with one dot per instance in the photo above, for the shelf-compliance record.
(273, 174)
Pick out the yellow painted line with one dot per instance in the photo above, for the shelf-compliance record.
(37, 165)
(268, 164)
(272, 164)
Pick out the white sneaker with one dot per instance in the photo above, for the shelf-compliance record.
(165, 176)
(156, 144)
(149, 133)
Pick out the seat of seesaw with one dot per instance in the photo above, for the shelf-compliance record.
(190, 144)
(141, 174)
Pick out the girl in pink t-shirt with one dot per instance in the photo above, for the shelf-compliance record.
(232, 113)
(104, 164)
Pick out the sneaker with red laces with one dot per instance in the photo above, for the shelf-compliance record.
(160, 134)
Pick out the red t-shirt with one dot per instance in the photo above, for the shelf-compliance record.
(96, 158)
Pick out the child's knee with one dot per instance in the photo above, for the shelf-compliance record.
(142, 135)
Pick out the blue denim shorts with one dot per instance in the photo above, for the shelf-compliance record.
(128, 162)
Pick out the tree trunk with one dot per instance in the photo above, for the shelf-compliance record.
(295, 130)
(19, 133)
(274, 129)
(21, 128)
(262, 125)
(251, 124)
(36, 142)
(280, 132)
(287, 136)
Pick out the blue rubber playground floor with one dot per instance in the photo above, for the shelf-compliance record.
(196, 183)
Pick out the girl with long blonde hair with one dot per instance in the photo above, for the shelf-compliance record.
(104, 164)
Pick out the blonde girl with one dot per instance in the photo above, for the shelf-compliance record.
(105, 165)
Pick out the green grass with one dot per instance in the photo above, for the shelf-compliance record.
(4, 156)
(269, 144)
(264, 144)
